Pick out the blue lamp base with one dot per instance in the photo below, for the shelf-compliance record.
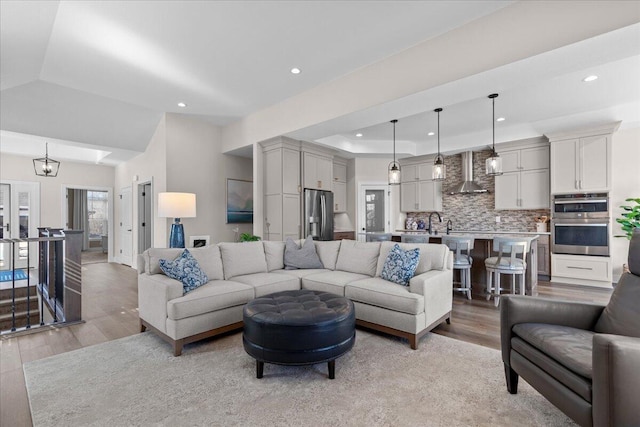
(176, 238)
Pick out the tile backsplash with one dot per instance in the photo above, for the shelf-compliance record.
(476, 211)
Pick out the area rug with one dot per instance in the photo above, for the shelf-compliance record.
(380, 382)
(7, 275)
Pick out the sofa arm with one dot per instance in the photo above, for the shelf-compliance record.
(516, 309)
(154, 291)
(616, 380)
(436, 288)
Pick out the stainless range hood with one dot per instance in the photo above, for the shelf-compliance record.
(468, 185)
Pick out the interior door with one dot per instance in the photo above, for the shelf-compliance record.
(373, 209)
(126, 227)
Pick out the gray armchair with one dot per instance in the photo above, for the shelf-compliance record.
(584, 358)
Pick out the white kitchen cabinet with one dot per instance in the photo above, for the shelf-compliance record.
(409, 196)
(339, 185)
(339, 172)
(318, 171)
(525, 181)
(339, 197)
(421, 196)
(416, 172)
(522, 190)
(581, 270)
(418, 192)
(282, 200)
(581, 164)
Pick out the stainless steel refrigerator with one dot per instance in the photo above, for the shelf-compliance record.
(318, 214)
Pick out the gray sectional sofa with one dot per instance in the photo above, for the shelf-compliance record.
(239, 272)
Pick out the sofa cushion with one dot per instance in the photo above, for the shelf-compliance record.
(304, 256)
(268, 283)
(274, 254)
(400, 265)
(358, 257)
(568, 346)
(300, 273)
(433, 256)
(215, 295)
(152, 257)
(243, 258)
(381, 293)
(328, 252)
(620, 316)
(185, 269)
(330, 281)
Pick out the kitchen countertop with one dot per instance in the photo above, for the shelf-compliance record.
(479, 234)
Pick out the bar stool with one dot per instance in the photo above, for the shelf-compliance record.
(414, 238)
(380, 237)
(461, 246)
(507, 262)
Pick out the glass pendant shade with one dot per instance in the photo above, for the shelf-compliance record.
(439, 169)
(394, 173)
(46, 166)
(394, 167)
(493, 165)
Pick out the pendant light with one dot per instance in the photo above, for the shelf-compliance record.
(394, 167)
(46, 166)
(494, 163)
(439, 169)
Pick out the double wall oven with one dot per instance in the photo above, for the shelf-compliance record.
(580, 224)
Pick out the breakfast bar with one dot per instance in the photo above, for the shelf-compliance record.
(483, 249)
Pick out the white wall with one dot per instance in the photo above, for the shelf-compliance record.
(625, 184)
(19, 168)
(195, 164)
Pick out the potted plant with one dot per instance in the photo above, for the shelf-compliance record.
(248, 237)
(630, 217)
(630, 221)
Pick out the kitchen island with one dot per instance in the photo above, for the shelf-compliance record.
(483, 248)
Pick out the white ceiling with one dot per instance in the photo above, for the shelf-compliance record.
(99, 75)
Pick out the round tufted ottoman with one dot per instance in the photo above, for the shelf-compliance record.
(298, 328)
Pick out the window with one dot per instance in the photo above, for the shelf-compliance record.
(97, 207)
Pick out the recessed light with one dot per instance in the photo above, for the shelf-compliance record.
(431, 133)
(295, 70)
(359, 135)
(500, 119)
(181, 104)
(590, 78)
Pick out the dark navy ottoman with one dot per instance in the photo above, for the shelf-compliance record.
(298, 328)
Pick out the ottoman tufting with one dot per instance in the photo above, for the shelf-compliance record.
(298, 328)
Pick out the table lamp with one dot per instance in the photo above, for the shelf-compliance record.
(176, 205)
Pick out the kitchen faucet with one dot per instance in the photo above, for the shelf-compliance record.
(449, 226)
(430, 216)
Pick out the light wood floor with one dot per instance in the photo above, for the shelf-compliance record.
(109, 308)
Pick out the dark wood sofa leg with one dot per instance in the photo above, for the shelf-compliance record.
(142, 327)
(448, 320)
(259, 369)
(512, 379)
(177, 348)
(413, 342)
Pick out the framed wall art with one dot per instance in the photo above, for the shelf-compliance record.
(239, 201)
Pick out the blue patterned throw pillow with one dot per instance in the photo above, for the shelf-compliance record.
(186, 269)
(400, 265)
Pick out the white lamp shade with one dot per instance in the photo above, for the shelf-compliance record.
(176, 205)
